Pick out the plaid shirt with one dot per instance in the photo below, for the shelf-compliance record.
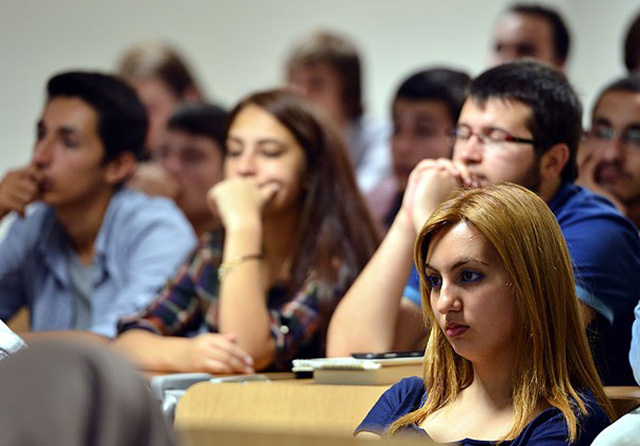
(188, 305)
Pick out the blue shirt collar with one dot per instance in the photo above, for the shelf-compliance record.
(54, 245)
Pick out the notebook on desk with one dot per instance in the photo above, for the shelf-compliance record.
(359, 371)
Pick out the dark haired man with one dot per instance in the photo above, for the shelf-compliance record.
(425, 110)
(92, 250)
(609, 159)
(520, 123)
(533, 31)
(191, 151)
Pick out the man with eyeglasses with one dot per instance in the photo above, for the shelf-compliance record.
(520, 123)
(609, 158)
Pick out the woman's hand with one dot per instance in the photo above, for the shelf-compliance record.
(215, 353)
(239, 200)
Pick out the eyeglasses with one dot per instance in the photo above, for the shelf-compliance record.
(494, 137)
(600, 133)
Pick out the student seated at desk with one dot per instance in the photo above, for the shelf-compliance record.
(191, 153)
(507, 358)
(296, 234)
(92, 250)
(425, 110)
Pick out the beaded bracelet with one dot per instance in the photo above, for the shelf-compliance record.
(226, 267)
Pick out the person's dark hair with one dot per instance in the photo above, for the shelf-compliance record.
(335, 224)
(556, 111)
(436, 84)
(632, 45)
(628, 84)
(122, 119)
(561, 36)
(201, 119)
(157, 59)
(342, 56)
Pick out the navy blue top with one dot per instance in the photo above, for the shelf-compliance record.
(547, 429)
(605, 252)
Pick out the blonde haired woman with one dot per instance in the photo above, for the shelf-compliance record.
(507, 359)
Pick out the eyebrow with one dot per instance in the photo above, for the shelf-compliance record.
(488, 128)
(599, 120)
(265, 141)
(419, 116)
(64, 130)
(426, 118)
(68, 131)
(261, 141)
(605, 121)
(461, 262)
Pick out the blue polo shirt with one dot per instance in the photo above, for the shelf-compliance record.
(140, 245)
(605, 252)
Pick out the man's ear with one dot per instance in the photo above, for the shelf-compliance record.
(553, 161)
(120, 168)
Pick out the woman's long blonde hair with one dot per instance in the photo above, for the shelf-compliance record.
(553, 359)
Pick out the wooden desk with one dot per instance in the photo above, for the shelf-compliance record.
(295, 412)
(209, 437)
(623, 398)
(298, 406)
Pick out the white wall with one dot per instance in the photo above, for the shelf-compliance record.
(237, 46)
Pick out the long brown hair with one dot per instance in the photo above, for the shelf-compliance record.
(335, 224)
(553, 359)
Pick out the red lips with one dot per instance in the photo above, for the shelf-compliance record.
(453, 329)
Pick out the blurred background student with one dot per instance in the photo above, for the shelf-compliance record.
(191, 151)
(162, 79)
(531, 30)
(326, 68)
(425, 111)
